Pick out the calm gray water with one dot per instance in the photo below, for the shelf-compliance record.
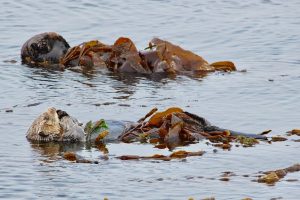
(261, 36)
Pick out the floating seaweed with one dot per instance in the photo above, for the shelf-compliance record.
(247, 142)
(271, 177)
(175, 155)
(71, 156)
(278, 139)
(294, 132)
(123, 56)
(96, 131)
(174, 127)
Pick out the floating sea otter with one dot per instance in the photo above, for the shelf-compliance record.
(170, 128)
(57, 126)
(52, 50)
(44, 49)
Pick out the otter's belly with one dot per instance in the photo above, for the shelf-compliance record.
(116, 128)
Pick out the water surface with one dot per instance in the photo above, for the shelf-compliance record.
(261, 36)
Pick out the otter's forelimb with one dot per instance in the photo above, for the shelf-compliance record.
(235, 133)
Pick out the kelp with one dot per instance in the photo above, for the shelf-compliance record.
(101, 146)
(92, 53)
(223, 66)
(156, 119)
(271, 177)
(247, 142)
(123, 56)
(96, 130)
(175, 155)
(278, 139)
(179, 59)
(101, 136)
(174, 127)
(168, 57)
(73, 157)
(294, 132)
(166, 127)
(70, 156)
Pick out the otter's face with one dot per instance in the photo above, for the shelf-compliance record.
(46, 127)
(44, 49)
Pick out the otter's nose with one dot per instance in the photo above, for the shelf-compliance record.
(42, 134)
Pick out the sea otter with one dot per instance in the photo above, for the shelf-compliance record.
(172, 127)
(55, 125)
(44, 50)
(58, 126)
(52, 50)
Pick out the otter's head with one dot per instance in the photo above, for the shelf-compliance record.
(45, 49)
(46, 127)
(56, 126)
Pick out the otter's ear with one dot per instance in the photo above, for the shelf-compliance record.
(61, 114)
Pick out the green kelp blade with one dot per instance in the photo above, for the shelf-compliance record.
(88, 127)
(94, 129)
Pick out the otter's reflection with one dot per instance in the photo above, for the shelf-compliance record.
(54, 150)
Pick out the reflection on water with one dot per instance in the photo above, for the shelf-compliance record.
(53, 151)
(259, 36)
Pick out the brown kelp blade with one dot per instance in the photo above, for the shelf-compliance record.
(125, 57)
(157, 118)
(224, 66)
(178, 57)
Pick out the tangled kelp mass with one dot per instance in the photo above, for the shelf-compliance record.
(175, 127)
(123, 56)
